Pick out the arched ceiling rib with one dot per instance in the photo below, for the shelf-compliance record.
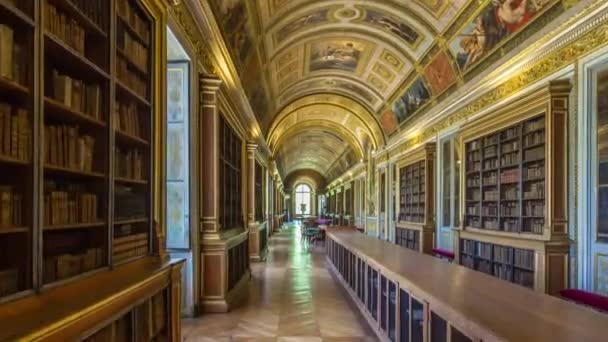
(323, 133)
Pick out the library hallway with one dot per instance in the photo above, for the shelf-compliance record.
(292, 298)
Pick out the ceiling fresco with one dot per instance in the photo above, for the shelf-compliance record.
(394, 59)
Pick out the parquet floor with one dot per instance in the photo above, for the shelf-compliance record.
(292, 298)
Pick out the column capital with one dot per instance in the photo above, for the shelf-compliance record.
(210, 82)
(252, 145)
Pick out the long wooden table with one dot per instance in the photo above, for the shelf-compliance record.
(408, 296)
(71, 312)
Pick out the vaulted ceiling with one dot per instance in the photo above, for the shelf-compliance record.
(374, 65)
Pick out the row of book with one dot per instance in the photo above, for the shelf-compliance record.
(130, 246)
(535, 226)
(132, 49)
(534, 138)
(66, 147)
(15, 132)
(490, 195)
(534, 125)
(77, 94)
(510, 133)
(126, 119)
(491, 140)
(509, 176)
(131, 79)
(129, 163)
(12, 58)
(534, 171)
(535, 153)
(69, 265)
(524, 258)
(509, 159)
(69, 204)
(131, 17)
(490, 178)
(11, 207)
(9, 281)
(535, 191)
(94, 10)
(65, 28)
(509, 209)
(534, 209)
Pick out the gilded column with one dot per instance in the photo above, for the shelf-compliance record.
(209, 149)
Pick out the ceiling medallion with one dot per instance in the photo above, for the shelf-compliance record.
(347, 13)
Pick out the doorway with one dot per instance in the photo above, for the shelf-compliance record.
(449, 191)
(178, 168)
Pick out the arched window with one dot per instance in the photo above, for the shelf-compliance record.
(303, 199)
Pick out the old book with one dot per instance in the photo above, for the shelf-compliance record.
(6, 139)
(53, 147)
(15, 136)
(93, 100)
(59, 142)
(6, 209)
(6, 51)
(77, 95)
(24, 136)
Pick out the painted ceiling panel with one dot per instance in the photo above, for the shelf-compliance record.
(386, 61)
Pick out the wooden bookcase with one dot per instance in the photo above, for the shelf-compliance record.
(416, 199)
(259, 192)
(515, 191)
(79, 155)
(349, 218)
(17, 143)
(231, 210)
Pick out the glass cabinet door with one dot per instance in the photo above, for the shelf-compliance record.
(449, 189)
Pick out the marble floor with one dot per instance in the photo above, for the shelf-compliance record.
(293, 297)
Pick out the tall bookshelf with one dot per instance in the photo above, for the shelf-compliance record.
(230, 177)
(77, 99)
(515, 195)
(17, 144)
(415, 193)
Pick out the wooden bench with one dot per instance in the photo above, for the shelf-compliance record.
(443, 254)
(586, 298)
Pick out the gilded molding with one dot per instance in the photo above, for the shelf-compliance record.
(183, 17)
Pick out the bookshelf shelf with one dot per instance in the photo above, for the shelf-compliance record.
(125, 90)
(70, 59)
(14, 230)
(10, 9)
(131, 221)
(73, 172)
(129, 181)
(13, 88)
(13, 161)
(70, 8)
(126, 138)
(62, 112)
(75, 226)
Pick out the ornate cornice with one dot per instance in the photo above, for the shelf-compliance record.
(182, 16)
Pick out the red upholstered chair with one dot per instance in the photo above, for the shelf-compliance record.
(443, 254)
(587, 298)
